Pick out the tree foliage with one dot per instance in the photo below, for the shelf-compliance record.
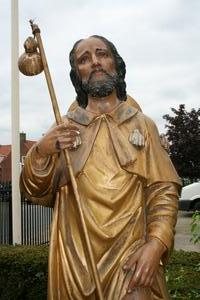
(183, 133)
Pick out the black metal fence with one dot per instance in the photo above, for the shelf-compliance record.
(36, 219)
(5, 214)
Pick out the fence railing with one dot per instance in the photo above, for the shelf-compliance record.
(5, 214)
(36, 219)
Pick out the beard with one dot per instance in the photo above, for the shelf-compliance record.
(102, 87)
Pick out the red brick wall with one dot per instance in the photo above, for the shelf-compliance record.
(5, 173)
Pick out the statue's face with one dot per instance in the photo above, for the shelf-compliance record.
(92, 58)
(96, 68)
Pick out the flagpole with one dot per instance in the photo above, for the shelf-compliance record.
(16, 199)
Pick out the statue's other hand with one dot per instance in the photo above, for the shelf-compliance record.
(57, 138)
(144, 264)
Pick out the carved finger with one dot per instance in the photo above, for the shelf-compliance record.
(130, 262)
(135, 281)
(66, 142)
(71, 127)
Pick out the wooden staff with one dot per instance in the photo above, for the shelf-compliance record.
(36, 32)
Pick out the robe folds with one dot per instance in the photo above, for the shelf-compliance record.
(128, 194)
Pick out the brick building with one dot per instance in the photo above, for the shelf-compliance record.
(5, 157)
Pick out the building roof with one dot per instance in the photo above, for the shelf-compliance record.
(5, 150)
(1, 158)
(29, 144)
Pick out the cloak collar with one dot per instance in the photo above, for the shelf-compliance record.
(121, 113)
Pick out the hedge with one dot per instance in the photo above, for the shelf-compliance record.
(23, 273)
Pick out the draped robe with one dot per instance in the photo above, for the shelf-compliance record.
(128, 193)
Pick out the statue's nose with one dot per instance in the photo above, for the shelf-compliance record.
(95, 61)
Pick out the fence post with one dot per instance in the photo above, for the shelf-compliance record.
(10, 215)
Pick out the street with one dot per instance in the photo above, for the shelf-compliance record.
(183, 234)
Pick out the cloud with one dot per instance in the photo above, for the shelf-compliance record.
(159, 41)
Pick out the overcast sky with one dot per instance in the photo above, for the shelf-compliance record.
(158, 39)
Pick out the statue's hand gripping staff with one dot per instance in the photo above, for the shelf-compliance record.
(32, 63)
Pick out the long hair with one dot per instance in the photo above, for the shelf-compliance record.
(82, 97)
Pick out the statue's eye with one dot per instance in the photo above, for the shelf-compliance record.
(102, 53)
(83, 59)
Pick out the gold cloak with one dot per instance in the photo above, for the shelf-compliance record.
(128, 194)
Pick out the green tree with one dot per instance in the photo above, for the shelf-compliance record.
(183, 133)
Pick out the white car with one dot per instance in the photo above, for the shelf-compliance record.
(190, 197)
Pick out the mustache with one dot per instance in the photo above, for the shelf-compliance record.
(98, 70)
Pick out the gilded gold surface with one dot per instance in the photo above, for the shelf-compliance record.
(128, 194)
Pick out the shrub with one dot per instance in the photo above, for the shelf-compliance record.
(183, 275)
(23, 273)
